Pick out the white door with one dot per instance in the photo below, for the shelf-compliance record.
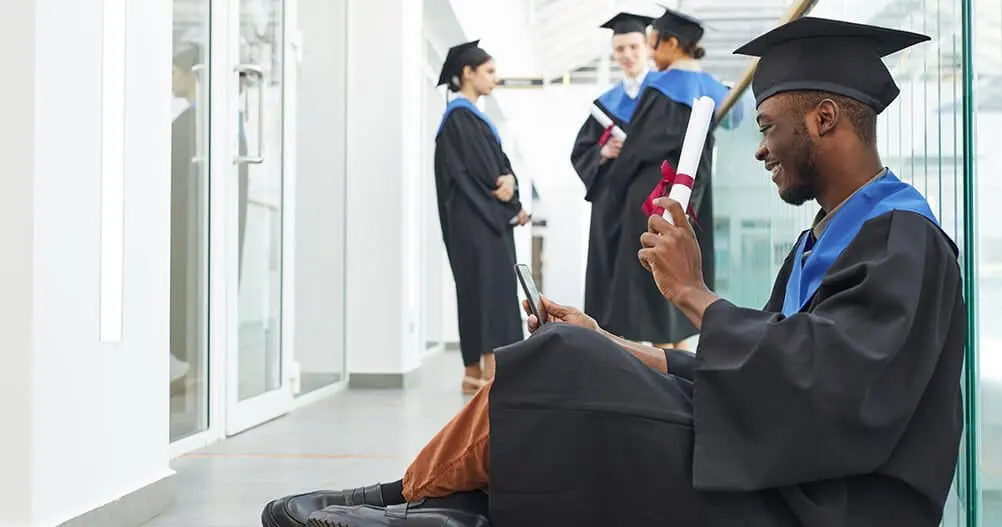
(254, 208)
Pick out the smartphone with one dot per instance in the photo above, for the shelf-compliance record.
(531, 293)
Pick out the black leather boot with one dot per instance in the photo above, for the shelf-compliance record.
(406, 515)
(293, 511)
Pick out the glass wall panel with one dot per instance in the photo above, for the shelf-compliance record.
(920, 139)
(189, 393)
(920, 135)
(753, 228)
(260, 174)
(987, 15)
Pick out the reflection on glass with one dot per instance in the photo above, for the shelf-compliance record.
(260, 197)
(920, 135)
(920, 139)
(189, 221)
(750, 241)
(988, 65)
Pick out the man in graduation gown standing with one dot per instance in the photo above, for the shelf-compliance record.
(635, 308)
(837, 404)
(595, 147)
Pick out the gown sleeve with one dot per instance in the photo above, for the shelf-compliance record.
(681, 363)
(586, 158)
(828, 393)
(516, 201)
(462, 159)
(656, 133)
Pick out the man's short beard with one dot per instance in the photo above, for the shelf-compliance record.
(805, 167)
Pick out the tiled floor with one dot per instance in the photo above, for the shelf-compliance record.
(354, 438)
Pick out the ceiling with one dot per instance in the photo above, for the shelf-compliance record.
(569, 41)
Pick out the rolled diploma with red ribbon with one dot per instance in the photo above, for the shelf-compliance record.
(606, 122)
(692, 151)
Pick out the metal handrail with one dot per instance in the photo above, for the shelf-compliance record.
(796, 11)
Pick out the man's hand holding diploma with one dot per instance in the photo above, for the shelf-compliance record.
(669, 249)
(671, 253)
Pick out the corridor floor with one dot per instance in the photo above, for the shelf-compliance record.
(356, 437)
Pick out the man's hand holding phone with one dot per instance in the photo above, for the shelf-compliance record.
(558, 313)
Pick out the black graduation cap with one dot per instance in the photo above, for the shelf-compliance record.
(628, 23)
(450, 68)
(828, 55)
(679, 25)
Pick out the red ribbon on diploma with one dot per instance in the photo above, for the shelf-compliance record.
(668, 178)
(606, 135)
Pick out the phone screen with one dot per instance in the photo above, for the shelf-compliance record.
(531, 293)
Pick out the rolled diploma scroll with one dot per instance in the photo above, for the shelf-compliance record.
(606, 122)
(692, 150)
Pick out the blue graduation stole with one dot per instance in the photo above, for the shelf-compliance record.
(684, 86)
(463, 102)
(884, 195)
(619, 103)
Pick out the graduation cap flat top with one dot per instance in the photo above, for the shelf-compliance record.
(828, 55)
(679, 25)
(628, 23)
(450, 67)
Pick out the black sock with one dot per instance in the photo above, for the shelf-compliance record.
(393, 493)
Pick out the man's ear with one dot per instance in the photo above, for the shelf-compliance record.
(827, 115)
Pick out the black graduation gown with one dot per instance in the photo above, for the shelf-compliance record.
(477, 233)
(635, 309)
(846, 414)
(586, 158)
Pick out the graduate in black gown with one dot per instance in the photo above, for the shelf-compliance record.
(595, 147)
(837, 404)
(478, 207)
(185, 236)
(635, 308)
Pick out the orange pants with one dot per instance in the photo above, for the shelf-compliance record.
(456, 459)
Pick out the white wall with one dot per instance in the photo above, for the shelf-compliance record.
(439, 289)
(17, 21)
(383, 325)
(90, 419)
(320, 186)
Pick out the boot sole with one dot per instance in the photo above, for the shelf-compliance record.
(267, 520)
(324, 523)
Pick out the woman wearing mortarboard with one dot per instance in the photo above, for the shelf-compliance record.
(478, 208)
(595, 147)
(635, 309)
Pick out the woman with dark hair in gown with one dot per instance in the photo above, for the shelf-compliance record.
(478, 208)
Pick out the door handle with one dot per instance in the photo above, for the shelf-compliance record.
(199, 71)
(249, 70)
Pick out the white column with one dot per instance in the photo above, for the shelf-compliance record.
(320, 185)
(17, 32)
(436, 265)
(384, 140)
(85, 419)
